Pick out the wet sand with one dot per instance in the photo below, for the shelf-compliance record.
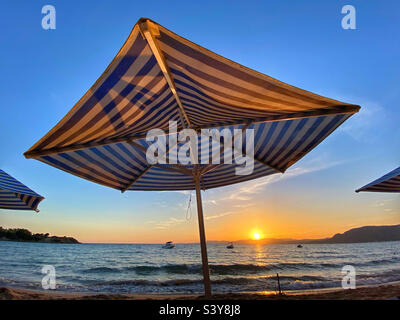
(381, 292)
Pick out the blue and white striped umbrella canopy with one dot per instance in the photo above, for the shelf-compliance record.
(157, 77)
(390, 182)
(16, 196)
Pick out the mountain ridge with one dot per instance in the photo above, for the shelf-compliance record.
(354, 235)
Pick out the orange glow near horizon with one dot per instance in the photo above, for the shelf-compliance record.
(280, 219)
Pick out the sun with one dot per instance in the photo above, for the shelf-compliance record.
(256, 236)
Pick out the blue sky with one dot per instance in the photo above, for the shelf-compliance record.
(45, 72)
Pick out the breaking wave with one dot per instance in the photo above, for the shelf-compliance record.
(148, 268)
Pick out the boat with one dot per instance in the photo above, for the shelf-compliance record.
(230, 246)
(299, 246)
(168, 245)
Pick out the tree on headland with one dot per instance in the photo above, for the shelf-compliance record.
(25, 235)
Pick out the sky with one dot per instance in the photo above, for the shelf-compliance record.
(45, 72)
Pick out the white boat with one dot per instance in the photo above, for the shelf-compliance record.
(230, 246)
(168, 245)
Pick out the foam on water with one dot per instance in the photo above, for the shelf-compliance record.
(127, 268)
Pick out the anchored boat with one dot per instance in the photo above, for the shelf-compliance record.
(168, 245)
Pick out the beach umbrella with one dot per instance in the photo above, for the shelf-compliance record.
(390, 182)
(16, 196)
(158, 77)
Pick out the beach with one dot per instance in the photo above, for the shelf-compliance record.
(381, 292)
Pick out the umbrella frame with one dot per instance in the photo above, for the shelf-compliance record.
(149, 31)
(394, 174)
(20, 195)
(203, 243)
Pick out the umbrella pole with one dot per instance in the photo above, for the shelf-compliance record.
(203, 245)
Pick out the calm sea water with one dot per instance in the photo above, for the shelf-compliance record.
(137, 268)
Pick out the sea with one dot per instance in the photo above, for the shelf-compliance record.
(148, 268)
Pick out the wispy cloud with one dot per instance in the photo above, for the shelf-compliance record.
(161, 225)
(248, 190)
(361, 125)
(390, 205)
(239, 197)
(220, 215)
(382, 203)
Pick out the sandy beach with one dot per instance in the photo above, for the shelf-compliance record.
(381, 292)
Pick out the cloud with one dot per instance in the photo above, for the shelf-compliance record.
(361, 125)
(244, 205)
(211, 201)
(248, 190)
(220, 215)
(382, 203)
(239, 197)
(390, 205)
(185, 192)
(167, 223)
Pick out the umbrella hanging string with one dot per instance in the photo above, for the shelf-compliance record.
(189, 208)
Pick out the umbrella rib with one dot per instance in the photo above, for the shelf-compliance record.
(175, 167)
(269, 165)
(335, 110)
(180, 168)
(345, 110)
(147, 28)
(259, 160)
(241, 151)
(202, 183)
(136, 179)
(212, 166)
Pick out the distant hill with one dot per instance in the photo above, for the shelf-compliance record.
(356, 235)
(25, 235)
(367, 234)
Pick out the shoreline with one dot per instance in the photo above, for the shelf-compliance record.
(388, 291)
(50, 241)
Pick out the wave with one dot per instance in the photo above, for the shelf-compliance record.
(235, 269)
(222, 284)
(217, 269)
(101, 270)
(240, 281)
(382, 261)
(238, 284)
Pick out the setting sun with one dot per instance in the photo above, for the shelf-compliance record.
(256, 236)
